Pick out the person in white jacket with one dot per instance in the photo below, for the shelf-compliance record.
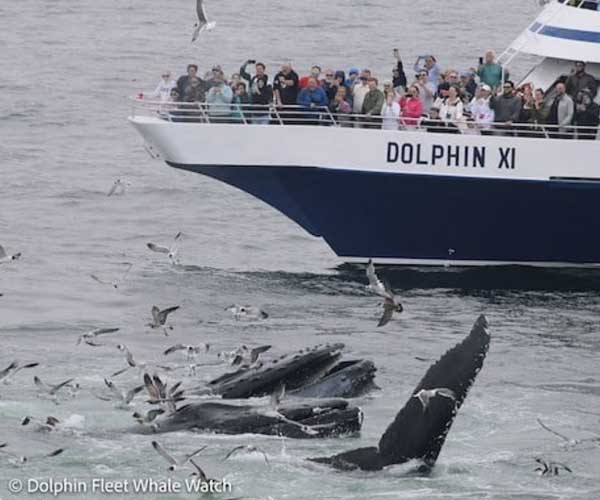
(452, 109)
(390, 112)
(480, 109)
(164, 87)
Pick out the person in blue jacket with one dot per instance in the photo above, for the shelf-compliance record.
(314, 100)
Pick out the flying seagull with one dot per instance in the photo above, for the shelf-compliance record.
(170, 251)
(90, 337)
(203, 23)
(123, 399)
(114, 284)
(13, 368)
(192, 351)
(174, 463)
(159, 317)
(390, 305)
(4, 257)
(21, 459)
(247, 449)
(51, 390)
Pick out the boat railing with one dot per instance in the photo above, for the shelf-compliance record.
(252, 114)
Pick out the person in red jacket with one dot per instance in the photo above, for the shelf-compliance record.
(412, 107)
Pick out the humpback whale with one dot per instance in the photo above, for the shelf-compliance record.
(419, 432)
(316, 372)
(324, 418)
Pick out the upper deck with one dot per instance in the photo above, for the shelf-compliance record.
(568, 30)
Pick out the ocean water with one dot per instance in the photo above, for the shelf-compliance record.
(68, 69)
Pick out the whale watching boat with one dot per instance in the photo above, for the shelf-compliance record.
(530, 196)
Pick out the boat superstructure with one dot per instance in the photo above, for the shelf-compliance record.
(529, 196)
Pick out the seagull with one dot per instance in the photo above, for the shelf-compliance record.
(163, 396)
(123, 399)
(203, 23)
(51, 390)
(214, 484)
(89, 337)
(390, 305)
(424, 395)
(131, 362)
(114, 284)
(192, 351)
(14, 368)
(247, 449)
(118, 188)
(149, 417)
(246, 312)
(550, 468)
(174, 463)
(568, 441)
(170, 251)
(243, 356)
(20, 459)
(47, 425)
(159, 317)
(4, 257)
(276, 397)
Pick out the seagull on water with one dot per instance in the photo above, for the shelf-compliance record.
(170, 251)
(21, 459)
(192, 351)
(118, 188)
(174, 463)
(203, 22)
(159, 318)
(90, 337)
(390, 305)
(247, 312)
(4, 257)
(48, 425)
(550, 468)
(14, 368)
(425, 395)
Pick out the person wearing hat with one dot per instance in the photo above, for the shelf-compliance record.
(479, 107)
(352, 78)
(580, 80)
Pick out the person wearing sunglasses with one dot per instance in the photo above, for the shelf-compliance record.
(164, 87)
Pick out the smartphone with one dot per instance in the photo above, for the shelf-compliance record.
(251, 61)
(481, 61)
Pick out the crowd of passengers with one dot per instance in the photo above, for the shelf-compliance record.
(481, 100)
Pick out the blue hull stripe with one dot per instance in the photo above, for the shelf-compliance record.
(568, 34)
(410, 216)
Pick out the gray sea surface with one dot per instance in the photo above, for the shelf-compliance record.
(68, 69)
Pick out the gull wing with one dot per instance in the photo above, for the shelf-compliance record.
(388, 311)
(257, 351)
(445, 393)
(39, 384)
(102, 282)
(54, 389)
(201, 12)
(175, 348)
(8, 369)
(113, 388)
(2, 252)
(103, 331)
(132, 393)
(203, 477)
(235, 450)
(162, 315)
(164, 453)
(114, 187)
(187, 458)
(157, 248)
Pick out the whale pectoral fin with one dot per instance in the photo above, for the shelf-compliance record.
(417, 434)
(360, 458)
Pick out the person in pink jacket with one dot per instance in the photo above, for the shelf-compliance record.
(412, 107)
